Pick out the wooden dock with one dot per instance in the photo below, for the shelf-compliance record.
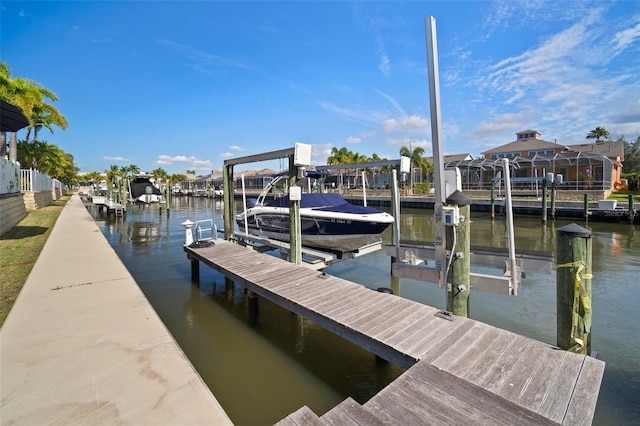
(110, 206)
(459, 371)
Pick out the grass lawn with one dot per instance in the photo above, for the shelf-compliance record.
(623, 196)
(20, 248)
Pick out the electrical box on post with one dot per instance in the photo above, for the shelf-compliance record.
(295, 193)
(302, 154)
(451, 215)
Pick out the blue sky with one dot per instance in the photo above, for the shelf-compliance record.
(185, 85)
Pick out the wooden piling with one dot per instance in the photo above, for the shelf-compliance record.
(544, 201)
(253, 303)
(631, 212)
(459, 263)
(458, 294)
(586, 206)
(295, 227)
(553, 200)
(493, 200)
(195, 270)
(573, 301)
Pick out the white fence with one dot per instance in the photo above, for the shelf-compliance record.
(13, 179)
(32, 180)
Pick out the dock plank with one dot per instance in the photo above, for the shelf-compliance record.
(555, 405)
(539, 385)
(583, 400)
(302, 417)
(523, 368)
(349, 412)
(458, 352)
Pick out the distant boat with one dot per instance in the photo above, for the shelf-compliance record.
(328, 221)
(103, 188)
(217, 192)
(142, 190)
(176, 190)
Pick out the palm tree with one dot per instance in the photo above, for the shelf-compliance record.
(598, 133)
(45, 115)
(31, 98)
(340, 156)
(113, 174)
(416, 159)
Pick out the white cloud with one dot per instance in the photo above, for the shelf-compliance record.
(320, 152)
(201, 60)
(118, 159)
(393, 102)
(407, 141)
(384, 64)
(367, 118)
(499, 124)
(353, 139)
(391, 125)
(408, 123)
(624, 39)
(192, 161)
(226, 155)
(237, 148)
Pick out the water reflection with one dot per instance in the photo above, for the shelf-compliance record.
(288, 362)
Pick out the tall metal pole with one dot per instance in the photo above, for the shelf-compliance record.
(438, 166)
(395, 204)
(510, 232)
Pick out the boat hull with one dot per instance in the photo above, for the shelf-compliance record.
(330, 231)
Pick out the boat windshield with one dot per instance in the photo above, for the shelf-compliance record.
(279, 186)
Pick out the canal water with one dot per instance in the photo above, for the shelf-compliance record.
(260, 374)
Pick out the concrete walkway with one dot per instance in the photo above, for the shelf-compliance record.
(82, 345)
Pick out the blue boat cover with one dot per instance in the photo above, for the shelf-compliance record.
(325, 202)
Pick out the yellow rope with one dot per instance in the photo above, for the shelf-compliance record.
(580, 325)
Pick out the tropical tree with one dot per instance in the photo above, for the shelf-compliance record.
(130, 170)
(631, 156)
(92, 177)
(177, 178)
(416, 159)
(598, 133)
(159, 173)
(48, 159)
(340, 156)
(31, 98)
(113, 174)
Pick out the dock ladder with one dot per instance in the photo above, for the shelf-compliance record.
(206, 227)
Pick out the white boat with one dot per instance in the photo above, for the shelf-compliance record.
(328, 221)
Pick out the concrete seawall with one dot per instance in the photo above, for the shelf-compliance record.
(82, 345)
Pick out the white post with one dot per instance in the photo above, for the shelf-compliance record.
(244, 203)
(395, 204)
(510, 234)
(188, 234)
(364, 189)
(438, 165)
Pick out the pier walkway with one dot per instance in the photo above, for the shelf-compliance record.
(82, 345)
(460, 371)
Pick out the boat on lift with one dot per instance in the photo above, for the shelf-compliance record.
(142, 190)
(327, 220)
